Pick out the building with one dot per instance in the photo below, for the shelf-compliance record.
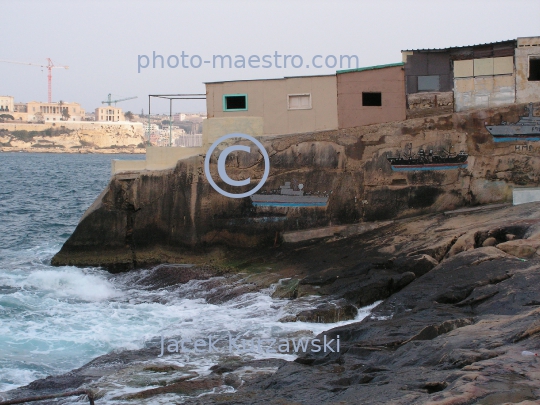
(109, 113)
(527, 60)
(179, 117)
(460, 78)
(7, 104)
(349, 98)
(47, 112)
(280, 106)
(371, 95)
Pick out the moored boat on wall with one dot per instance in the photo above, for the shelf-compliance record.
(527, 128)
(429, 161)
(288, 197)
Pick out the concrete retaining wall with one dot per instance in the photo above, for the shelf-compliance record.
(526, 195)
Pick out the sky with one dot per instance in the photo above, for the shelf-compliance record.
(104, 43)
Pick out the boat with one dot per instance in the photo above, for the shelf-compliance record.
(429, 161)
(288, 197)
(527, 128)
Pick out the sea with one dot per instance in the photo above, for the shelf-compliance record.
(56, 319)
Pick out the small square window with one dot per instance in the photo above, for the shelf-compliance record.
(534, 69)
(371, 99)
(235, 102)
(299, 101)
(428, 83)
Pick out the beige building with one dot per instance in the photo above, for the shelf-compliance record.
(285, 106)
(484, 82)
(528, 70)
(7, 104)
(109, 113)
(47, 112)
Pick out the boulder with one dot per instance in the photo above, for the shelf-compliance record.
(464, 243)
(491, 241)
(524, 248)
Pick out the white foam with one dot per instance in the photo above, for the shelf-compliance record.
(72, 283)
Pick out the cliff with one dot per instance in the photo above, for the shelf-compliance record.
(160, 216)
(73, 137)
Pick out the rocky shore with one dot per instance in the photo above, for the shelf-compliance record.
(459, 307)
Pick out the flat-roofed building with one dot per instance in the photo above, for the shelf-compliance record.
(109, 113)
(528, 69)
(273, 106)
(47, 112)
(459, 78)
(7, 104)
(371, 95)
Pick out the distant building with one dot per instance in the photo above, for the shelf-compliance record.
(179, 117)
(109, 113)
(20, 107)
(36, 111)
(6, 104)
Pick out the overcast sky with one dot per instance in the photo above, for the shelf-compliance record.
(101, 40)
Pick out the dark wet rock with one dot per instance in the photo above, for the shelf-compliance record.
(188, 387)
(166, 275)
(366, 289)
(417, 264)
(329, 312)
(286, 289)
(162, 368)
(226, 366)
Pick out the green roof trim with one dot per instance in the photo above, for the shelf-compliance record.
(371, 68)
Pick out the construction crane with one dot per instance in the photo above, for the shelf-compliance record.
(109, 101)
(50, 66)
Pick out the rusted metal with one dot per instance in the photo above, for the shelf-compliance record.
(88, 393)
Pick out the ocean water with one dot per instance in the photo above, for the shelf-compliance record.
(55, 319)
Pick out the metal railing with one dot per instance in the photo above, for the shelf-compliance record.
(88, 393)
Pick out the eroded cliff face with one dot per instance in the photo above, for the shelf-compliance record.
(150, 217)
(73, 137)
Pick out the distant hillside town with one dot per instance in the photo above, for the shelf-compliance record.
(184, 130)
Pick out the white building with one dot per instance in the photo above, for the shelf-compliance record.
(6, 104)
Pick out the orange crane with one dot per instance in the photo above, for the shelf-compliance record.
(50, 66)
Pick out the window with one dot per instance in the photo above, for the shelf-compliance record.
(428, 83)
(299, 101)
(235, 102)
(371, 99)
(534, 69)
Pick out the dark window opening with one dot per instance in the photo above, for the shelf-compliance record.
(371, 99)
(534, 70)
(235, 102)
(428, 83)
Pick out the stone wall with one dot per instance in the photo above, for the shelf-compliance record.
(429, 104)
